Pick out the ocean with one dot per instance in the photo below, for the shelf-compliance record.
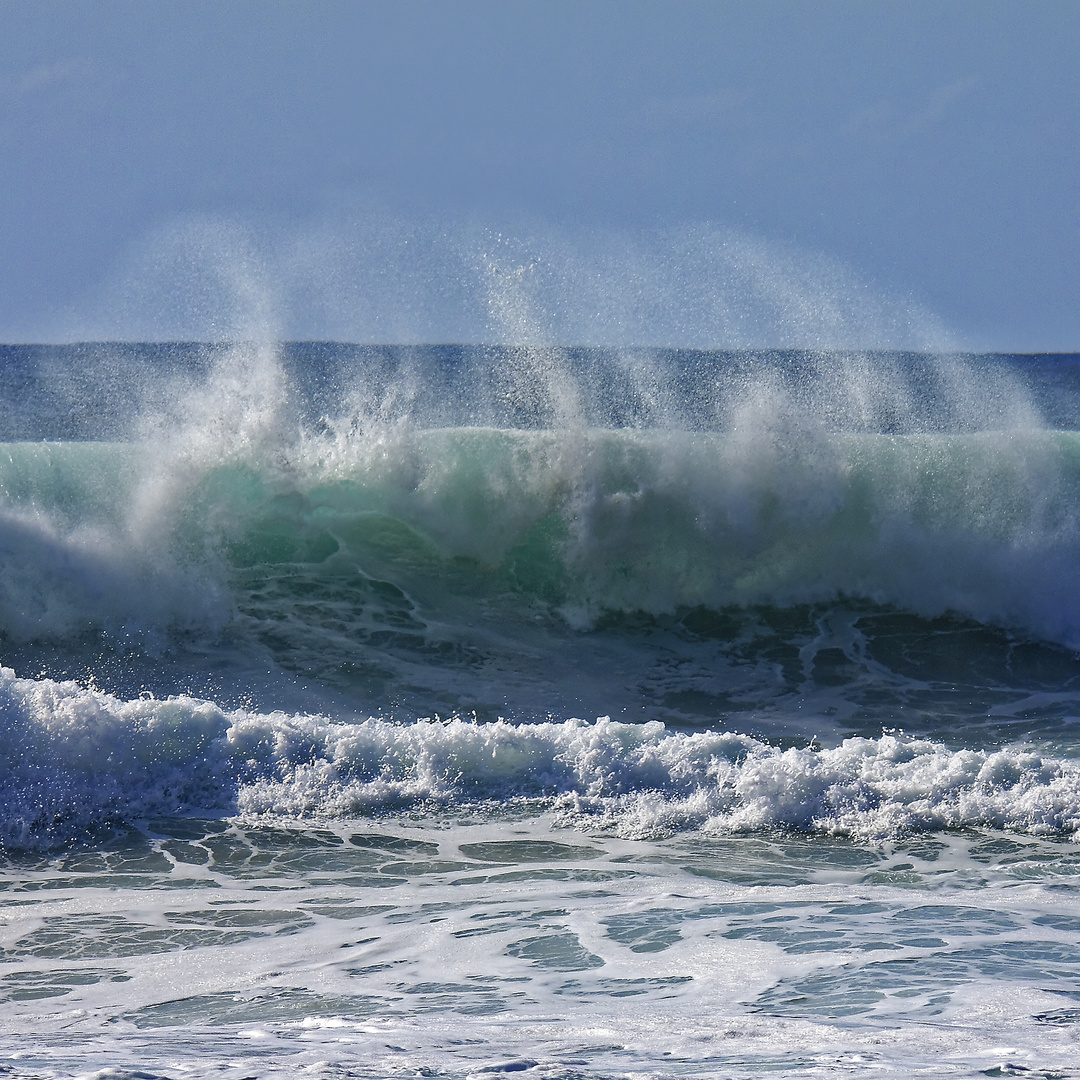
(571, 713)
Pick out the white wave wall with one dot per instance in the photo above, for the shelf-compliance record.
(75, 760)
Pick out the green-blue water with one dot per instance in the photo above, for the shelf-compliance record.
(563, 712)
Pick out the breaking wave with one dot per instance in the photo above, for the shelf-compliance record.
(76, 759)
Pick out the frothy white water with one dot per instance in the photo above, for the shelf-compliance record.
(76, 759)
(486, 947)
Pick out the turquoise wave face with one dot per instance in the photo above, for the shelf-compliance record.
(924, 581)
(578, 525)
(564, 483)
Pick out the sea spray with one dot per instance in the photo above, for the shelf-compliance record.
(375, 278)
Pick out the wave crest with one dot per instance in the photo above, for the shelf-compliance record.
(76, 759)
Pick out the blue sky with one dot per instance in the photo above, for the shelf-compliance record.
(687, 172)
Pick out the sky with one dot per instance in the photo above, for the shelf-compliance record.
(848, 172)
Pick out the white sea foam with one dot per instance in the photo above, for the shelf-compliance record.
(76, 758)
(487, 947)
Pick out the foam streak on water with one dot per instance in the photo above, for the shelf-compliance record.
(500, 944)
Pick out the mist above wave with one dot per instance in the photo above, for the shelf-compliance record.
(375, 277)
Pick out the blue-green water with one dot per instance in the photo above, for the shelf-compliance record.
(462, 710)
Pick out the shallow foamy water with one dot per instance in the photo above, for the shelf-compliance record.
(501, 943)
